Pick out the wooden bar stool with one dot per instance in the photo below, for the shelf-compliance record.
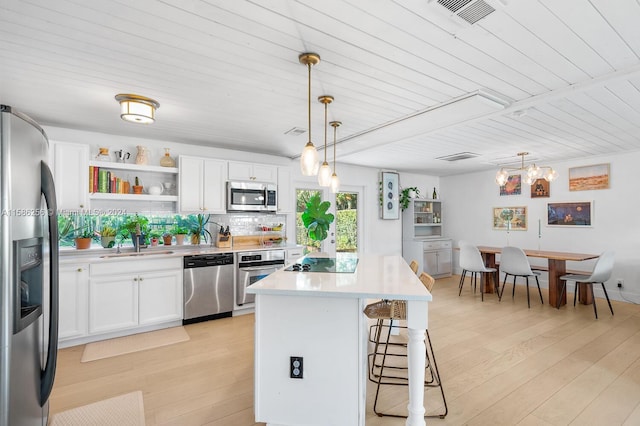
(380, 359)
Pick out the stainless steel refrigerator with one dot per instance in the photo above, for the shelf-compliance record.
(28, 272)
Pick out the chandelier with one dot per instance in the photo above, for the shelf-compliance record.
(533, 172)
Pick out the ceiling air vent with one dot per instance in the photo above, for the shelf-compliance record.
(295, 131)
(459, 156)
(469, 11)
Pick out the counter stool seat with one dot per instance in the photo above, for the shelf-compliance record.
(380, 358)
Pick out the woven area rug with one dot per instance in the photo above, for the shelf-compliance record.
(133, 343)
(123, 410)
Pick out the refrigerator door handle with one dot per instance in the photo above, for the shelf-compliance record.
(48, 374)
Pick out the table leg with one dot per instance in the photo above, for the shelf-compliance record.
(489, 281)
(585, 294)
(557, 268)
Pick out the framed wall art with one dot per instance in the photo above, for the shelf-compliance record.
(589, 177)
(578, 213)
(510, 218)
(540, 189)
(390, 207)
(513, 186)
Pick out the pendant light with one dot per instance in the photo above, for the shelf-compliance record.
(335, 182)
(324, 174)
(309, 157)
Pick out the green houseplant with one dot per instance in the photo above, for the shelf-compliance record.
(198, 228)
(316, 219)
(131, 223)
(406, 195)
(108, 236)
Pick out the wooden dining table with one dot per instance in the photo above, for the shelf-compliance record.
(557, 267)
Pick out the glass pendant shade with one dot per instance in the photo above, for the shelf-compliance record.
(309, 162)
(528, 179)
(501, 177)
(324, 175)
(550, 175)
(309, 159)
(335, 183)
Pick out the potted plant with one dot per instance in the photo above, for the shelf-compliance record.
(83, 235)
(199, 228)
(166, 238)
(137, 188)
(316, 219)
(134, 223)
(108, 236)
(180, 232)
(406, 195)
(155, 236)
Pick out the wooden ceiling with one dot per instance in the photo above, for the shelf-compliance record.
(559, 79)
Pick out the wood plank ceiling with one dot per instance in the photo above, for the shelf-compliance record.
(404, 73)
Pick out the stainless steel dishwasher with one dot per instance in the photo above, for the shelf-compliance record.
(208, 287)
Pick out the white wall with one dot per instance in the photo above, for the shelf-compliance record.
(470, 198)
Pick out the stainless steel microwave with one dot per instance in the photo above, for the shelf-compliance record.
(251, 197)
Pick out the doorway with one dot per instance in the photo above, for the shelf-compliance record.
(344, 234)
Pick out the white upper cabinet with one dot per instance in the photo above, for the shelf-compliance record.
(251, 171)
(202, 185)
(286, 196)
(71, 175)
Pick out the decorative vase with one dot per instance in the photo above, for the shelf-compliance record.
(195, 239)
(107, 242)
(83, 243)
(167, 240)
(137, 189)
(166, 160)
(154, 241)
(180, 239)
(142, 157)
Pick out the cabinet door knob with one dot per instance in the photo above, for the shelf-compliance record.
(81, 206)
(141, 279)
(135, 278)
(79, 269)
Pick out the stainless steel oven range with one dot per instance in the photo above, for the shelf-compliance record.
(253, 266)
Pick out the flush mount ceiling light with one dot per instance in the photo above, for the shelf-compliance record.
(324, 174)
(533, 172)
(309, 158)
(335, 182)
(137, 109)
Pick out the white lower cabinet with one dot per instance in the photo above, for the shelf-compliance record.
(74, 281)
(143, 292)
(113, 303)
(160, 297)
(437, 258)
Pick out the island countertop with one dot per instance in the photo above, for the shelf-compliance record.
(376, 277)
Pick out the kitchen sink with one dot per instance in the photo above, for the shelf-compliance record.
(150, 253)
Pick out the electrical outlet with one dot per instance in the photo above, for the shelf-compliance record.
(295, 367)
(620, 283)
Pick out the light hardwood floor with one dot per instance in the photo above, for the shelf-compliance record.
(501, 363)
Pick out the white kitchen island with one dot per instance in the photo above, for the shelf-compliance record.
(318, 316)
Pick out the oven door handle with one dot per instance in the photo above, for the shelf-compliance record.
(260, 268)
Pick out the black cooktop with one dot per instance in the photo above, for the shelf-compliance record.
(325, 264)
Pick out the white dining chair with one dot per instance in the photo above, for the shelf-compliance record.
(600, 274)
(513, 261)
(471, 261)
